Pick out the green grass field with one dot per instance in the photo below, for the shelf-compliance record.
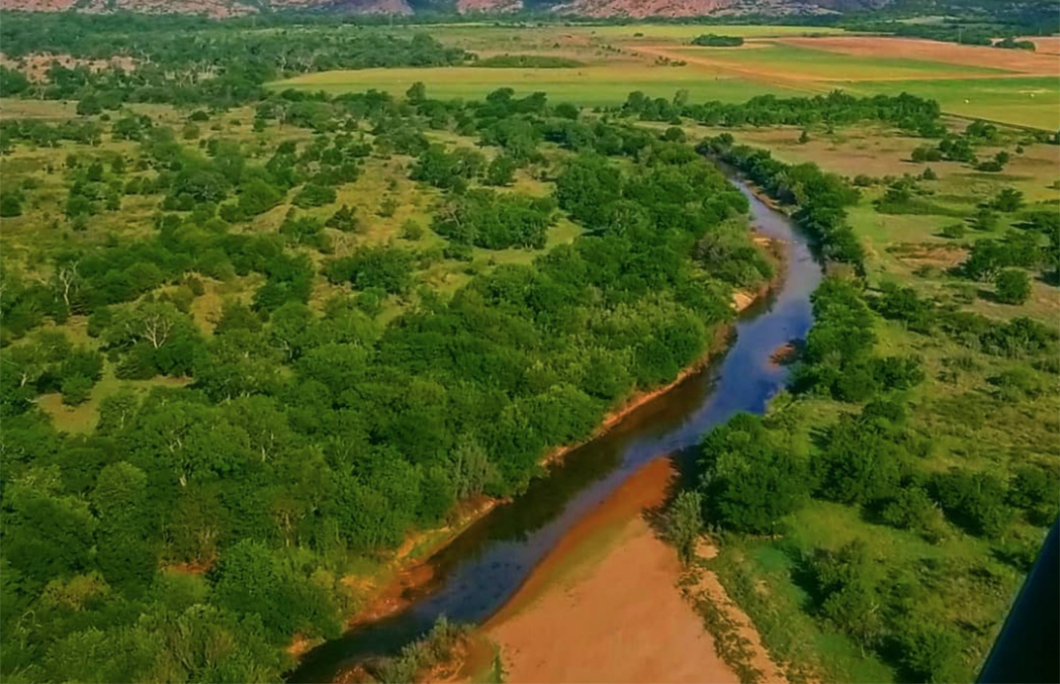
(621, 59)
(590, 86)
(799, 62)
(1026, 101)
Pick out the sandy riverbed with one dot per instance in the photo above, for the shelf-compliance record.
(604, 605)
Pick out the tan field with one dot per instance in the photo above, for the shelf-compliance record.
(1020, 61)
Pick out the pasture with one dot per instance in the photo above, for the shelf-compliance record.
(1008, 86)
(592, 86)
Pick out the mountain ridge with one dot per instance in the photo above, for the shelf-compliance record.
(586, 8)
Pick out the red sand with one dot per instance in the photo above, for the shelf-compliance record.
(618, 618)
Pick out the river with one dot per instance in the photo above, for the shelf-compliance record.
(480, 570)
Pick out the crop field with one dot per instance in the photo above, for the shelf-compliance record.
(1008, 86)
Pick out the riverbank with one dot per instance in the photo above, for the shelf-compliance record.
(605, 606)
(408, 573)
(392, 603)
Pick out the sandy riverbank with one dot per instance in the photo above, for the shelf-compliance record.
(408, 574)
(604, 606)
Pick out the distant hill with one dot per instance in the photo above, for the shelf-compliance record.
(587, 8)
(591, 8)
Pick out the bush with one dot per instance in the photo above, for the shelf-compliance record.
(313, 195)
(929, 652)
(1012, 286)
(412, 230)
(76, 389)
(684, 523)
(10, 204)
(750, 480)
(975, 501)
(913, 509)
(344, 219)
(954, 231)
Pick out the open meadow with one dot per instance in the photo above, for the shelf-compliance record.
(607, 62)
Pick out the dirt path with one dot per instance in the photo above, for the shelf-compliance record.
(604, 606)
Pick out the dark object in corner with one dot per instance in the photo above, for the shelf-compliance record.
(1028, 648)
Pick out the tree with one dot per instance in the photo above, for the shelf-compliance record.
(501, 171)
(472, 471)
(1012, 286)
(47, 534)
(1008, 200)
(748, 481)
(11, 203)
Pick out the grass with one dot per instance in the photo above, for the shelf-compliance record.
(591, 86)
(792, 61)
(1026, 101)
(757, 575)
(82, 419)
(972, 425)
(680, 32)
(618, 61)
(963, 578)
(27, 240)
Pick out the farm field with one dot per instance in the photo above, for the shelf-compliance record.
(1008, 86)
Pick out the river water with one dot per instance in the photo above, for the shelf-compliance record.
(482, 568)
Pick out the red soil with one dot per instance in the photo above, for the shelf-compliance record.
(616, 618)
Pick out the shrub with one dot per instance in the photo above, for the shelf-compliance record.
(975, 501)
(954, 231)
(76, 389)
(1012, 286)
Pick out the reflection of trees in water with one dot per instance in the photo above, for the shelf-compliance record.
(544, 500)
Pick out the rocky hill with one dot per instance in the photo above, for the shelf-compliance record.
(592, 8)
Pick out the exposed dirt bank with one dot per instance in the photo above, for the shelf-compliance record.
(611, 614)
(409, 571)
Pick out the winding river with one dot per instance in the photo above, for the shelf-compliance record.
(482, 568)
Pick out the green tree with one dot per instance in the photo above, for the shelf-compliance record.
(1012, 286)
(749, 482)
(501, 171)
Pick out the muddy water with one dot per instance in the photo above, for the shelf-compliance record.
(476, 574)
